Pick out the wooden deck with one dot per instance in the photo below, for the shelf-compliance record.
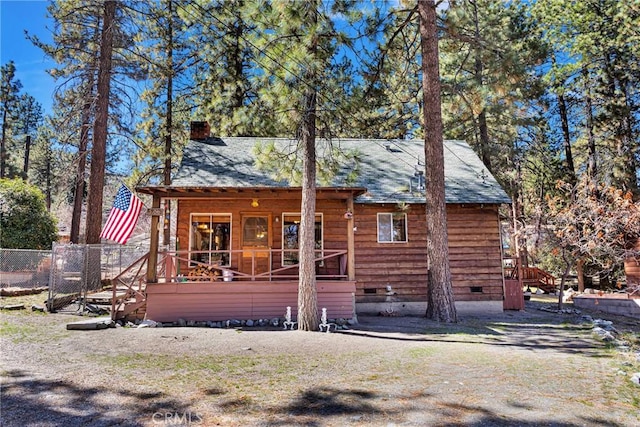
(219, 301)
(533, 277)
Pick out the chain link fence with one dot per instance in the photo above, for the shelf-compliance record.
(71, 272)
(78, 270)
(24, 268)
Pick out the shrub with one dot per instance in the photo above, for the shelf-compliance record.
(25, 222)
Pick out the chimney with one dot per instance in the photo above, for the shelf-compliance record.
(200, 131)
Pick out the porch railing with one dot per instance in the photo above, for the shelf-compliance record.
(257, 264)
(128, 289)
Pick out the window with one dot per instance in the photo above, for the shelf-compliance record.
(291, 234)
(255, 231)
(392, 227)
(211, 238)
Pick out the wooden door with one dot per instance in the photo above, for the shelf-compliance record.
(256, 236)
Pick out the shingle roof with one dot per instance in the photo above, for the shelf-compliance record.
(387, 169)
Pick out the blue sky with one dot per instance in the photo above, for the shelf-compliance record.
(16, 16)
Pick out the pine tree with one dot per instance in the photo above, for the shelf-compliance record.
(29, 118)
(100, 126)
(440, 303)
(388, 101)
(9, 101)
(488, 76)
(75, 49)
(598, 44)
(163, 51)
(298, 57)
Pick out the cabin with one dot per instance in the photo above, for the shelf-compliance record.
(236, 257)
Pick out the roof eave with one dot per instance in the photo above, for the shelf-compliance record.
(177, 192)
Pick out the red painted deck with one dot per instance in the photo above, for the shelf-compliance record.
(218, 301)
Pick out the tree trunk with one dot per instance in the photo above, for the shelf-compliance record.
(169, 127)
(580, 274)
(79, 185)
(3, 145)
(483, 128)
(99, 149)
(592, 167)
(48, 183)
(628, 146)
(565, 273)
(308, 319)
(566, 137)
(27, 152)
(440, 304)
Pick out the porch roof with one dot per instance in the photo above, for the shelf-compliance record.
(374, 170)
(177, 192)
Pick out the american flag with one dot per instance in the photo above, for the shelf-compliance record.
(123, 216)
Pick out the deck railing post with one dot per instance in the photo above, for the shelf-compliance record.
(152, 274)
(351, 254)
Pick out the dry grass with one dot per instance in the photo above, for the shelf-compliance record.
(27, 300)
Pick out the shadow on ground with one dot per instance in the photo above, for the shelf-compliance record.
(531, 329)
(27, 401)
(319, 406)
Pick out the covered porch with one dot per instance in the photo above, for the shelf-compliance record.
(199, 291)
(246, 276)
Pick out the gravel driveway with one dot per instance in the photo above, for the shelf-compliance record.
(525, 368)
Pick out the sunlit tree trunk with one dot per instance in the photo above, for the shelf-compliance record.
(99, 149)
(441, 306)
(308, 319)
(168, 124)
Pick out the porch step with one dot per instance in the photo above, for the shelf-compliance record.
(105, 296)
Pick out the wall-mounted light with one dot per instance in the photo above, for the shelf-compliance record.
(254, 203)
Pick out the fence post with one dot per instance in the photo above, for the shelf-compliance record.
(52, 276)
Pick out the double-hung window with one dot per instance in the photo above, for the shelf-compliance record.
(392, 228)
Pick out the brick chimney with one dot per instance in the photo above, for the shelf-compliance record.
(200, 131)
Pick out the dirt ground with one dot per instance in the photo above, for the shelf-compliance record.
(526, 368)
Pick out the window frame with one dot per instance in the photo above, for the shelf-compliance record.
(393, 215)
(284, 250)
(192, 232)
(255, 242)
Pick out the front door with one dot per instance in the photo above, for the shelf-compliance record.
(256, 240)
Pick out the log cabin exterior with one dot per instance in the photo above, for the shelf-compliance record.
(236, 236)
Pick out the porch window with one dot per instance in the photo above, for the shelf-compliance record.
(291, 235)
(211, 239)
(392, 227)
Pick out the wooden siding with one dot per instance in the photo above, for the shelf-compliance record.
(632, 269)
(403, 266)
(474, 254)
(334, 224)
(474, 244)
(219, 301)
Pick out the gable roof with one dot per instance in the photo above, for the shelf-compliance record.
(387, 169)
